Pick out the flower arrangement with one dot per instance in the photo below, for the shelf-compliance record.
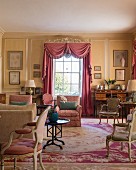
(108, 82)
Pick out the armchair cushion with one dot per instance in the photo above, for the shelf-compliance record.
(68, 105)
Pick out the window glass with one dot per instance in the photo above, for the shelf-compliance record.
(67, 76)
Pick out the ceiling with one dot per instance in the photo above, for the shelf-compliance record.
(68, 16)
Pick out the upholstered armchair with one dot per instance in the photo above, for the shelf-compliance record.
(127, 134)
(20, 99)
(47, 99)
(21, 147)
(69, 107)
(111, 109)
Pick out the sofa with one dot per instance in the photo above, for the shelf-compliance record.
(69, 107)
(13, 117)
(20, 99)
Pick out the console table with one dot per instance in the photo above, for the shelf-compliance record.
(126, 106)
(101, 96)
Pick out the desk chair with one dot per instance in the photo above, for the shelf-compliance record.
(48, 99)
(111, 109)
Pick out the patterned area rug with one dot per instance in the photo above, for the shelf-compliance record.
(85, 149)
(87, 144)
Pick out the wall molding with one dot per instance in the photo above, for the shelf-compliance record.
(68, 40)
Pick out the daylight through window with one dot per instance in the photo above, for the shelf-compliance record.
(67, 76)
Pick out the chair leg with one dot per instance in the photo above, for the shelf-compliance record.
(35, 161)
(107, 119)
(114, 120)
(2, 164)
(15, 160)
(41, 163)
(129, 151)
(107, 146)
(100, 119)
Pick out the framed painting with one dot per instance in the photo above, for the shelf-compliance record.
(120, 58)
(36, 66)
(15, 60)
(14, 77)
(22, 90)
(38, 90)
(97, 75)
(97, 68)
(37, 74)
(120, 74)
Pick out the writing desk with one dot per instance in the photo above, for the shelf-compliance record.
(101, 96)
(126, 106)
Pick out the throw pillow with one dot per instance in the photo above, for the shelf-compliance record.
(68, 105)
(18, 103)
(63, 98)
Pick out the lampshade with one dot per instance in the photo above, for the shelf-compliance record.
(131, 87)
(30, 83)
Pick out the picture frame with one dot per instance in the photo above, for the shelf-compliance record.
(14, 77)
(37, 74)
(120, 58)
(15, 60)
(36, 66)
(97, 75)
(38, 90)
(120, 74)
(22, 90)
(97, 68)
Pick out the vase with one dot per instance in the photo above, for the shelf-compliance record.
(111, 87)
(53, 117)
(106, 87)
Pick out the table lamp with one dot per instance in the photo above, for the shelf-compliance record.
(131, 87)
(30, 84)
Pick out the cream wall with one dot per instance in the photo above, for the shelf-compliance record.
(1, 34)
(102, 46)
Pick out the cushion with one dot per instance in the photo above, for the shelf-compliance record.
(18, 103)
(63, 98)
(15, 107)
(68, 105)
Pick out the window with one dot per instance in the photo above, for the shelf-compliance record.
(67, 76)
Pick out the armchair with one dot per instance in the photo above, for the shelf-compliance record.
(70, 108)
(47, 99)
(111, 109)
(24, 147)
(127, 135)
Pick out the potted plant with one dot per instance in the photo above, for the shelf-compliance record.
(52, 115)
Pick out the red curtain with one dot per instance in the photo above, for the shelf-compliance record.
(78, 50)
(134, 61)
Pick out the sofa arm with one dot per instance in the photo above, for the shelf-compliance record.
(13, 119)
(79, 109)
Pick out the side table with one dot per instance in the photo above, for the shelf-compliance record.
(54, 130)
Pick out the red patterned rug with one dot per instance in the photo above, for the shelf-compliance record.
(86, 144)
(85, 148)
